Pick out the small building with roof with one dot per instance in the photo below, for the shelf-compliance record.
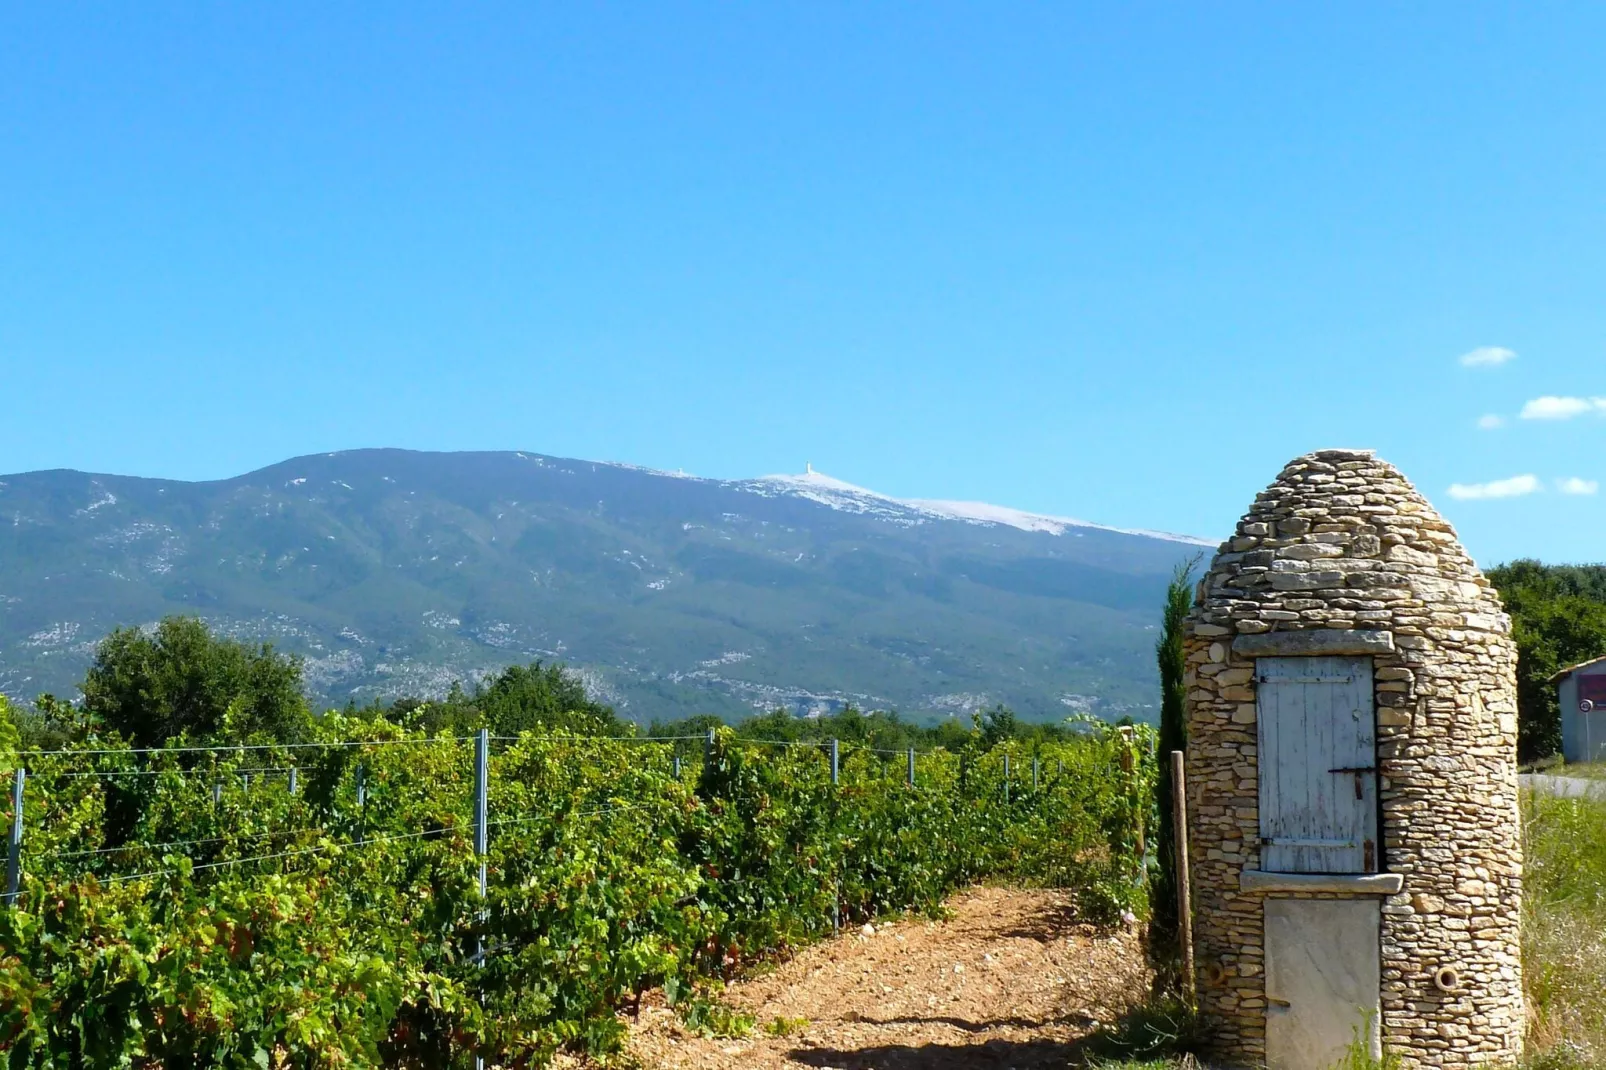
(1582, 692)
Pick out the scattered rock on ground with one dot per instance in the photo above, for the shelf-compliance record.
(1011, 979)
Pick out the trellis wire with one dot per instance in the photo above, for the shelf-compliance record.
(237, 748)
(365, 841)
(124, 848)
(594, 739)
(831, 748)
(198, 772)
(625, 808)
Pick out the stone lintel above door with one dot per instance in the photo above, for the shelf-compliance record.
(1254, 880)
(1314, 642)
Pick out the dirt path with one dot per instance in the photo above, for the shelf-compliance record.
(1009, 981)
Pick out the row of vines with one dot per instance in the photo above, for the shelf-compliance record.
(201, 908)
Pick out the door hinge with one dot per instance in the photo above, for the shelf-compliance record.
(1281, 841)
(1305, 679)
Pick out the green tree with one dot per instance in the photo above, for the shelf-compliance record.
(182, 679)
(541, 698)
(1558, 615)
(999, 724)
(9, 741)
(1173, 736)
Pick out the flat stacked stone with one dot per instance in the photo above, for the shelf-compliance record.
(1341, 540)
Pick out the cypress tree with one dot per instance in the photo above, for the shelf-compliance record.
(1173, 736)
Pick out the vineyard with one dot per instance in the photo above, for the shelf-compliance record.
(379, 897)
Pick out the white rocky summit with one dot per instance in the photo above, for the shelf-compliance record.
(846, 497)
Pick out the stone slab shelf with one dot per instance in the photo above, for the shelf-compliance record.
(1254, 880)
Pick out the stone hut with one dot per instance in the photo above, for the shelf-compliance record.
(1355, 841)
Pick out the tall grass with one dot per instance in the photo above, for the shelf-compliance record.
(1564, 930)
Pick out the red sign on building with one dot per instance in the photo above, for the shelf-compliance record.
(1591, 693)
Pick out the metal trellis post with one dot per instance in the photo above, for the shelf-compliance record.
(677, 767)
(482, 780)
(362, 786)
(14, 859)
(836, 884)
(293, 784)
(911, 767)
(1037, 766)
(482, 786)
(217, 792)
(1006, 778)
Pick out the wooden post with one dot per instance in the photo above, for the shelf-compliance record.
(1179, 819)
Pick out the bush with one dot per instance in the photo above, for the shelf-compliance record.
(182, 680)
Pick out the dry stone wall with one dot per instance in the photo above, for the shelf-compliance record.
(1342, 545)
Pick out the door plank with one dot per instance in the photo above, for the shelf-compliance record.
(1316, 718)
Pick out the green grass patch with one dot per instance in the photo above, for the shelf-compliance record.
(1564, 931)
(1586, 770)
(785, 1027)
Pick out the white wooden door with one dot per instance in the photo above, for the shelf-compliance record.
(1318, 765)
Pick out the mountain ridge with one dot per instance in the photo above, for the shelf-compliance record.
(396, 571)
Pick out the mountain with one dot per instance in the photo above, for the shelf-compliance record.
(395, 572)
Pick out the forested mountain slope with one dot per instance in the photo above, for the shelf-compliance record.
(396, 572)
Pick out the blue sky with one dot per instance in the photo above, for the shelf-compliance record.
(1118, 262)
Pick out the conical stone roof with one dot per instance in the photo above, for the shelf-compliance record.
(1341, 539)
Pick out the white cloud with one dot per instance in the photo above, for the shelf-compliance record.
(1487, 357)
(1491, 422)
(1551, 407)
(1515, 487)
(1574, 485)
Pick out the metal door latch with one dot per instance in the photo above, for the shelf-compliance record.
(1356, 770)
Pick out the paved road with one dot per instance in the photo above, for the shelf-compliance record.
(1566, 787)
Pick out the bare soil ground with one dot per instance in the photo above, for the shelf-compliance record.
(1009, 980)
